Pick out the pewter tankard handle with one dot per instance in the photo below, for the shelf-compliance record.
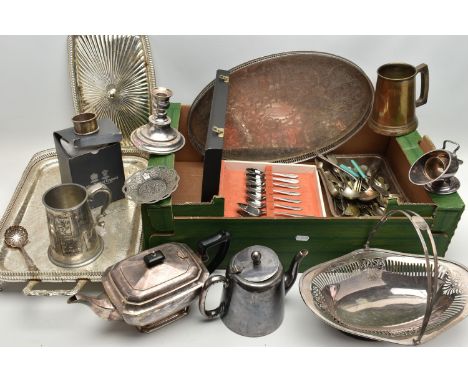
(213, 313)
(93, 190)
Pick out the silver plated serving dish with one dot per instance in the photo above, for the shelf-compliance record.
(151, 185)
(389, 296)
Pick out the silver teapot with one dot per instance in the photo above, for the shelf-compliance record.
(156, 287)
(252, 303)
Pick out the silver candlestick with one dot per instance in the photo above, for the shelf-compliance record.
(157, 136)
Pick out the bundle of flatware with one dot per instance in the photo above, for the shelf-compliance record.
(359, 190)
(285, 194)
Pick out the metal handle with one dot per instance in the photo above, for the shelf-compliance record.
(30, 291)
(419, 225)
(93, 190)
(213, 313)
(424, 70)
(29, 262)
(453, 143)
(325, 159)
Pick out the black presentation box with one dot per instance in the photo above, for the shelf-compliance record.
(89, 159)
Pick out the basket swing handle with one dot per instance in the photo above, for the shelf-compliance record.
(420, 226)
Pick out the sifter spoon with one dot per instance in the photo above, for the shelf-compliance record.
(16, 236)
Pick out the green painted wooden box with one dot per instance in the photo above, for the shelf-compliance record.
(183, 218)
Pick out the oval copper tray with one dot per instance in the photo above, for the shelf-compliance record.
(286, 107)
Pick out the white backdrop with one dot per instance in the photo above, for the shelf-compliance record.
(35, 99)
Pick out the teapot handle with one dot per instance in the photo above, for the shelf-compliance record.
(213, 313)
(223, 239)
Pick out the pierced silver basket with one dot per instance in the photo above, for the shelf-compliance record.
(386, 295)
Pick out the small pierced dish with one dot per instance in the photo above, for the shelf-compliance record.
(151, 185)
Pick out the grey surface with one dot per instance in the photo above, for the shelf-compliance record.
(35, 99)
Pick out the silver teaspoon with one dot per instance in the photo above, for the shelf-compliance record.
(249, 210)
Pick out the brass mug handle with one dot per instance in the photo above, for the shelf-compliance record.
(424, 70)
(213, 313)
(95, 189)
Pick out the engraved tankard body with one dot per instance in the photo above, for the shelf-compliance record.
(74, 241)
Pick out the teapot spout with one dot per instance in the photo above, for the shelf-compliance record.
(99, 305)
(291, 274)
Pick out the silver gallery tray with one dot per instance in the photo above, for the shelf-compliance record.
(123, 230)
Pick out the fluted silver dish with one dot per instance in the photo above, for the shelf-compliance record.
(112, 76)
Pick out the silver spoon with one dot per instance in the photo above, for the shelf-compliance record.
(254, 171)
(330, 186)
(249, 210)
(256, 203)
(255, 189)
(16, 236)
(255, 176)
(255, 183)
(368, 194)
(255, 196)
(376, 185)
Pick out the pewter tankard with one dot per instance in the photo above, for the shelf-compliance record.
(74, 241)
(395, 103)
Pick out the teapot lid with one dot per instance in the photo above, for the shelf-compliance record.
(255, 264)
(156, 274)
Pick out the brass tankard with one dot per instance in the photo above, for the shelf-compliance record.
(395, 103)
(74, 241)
